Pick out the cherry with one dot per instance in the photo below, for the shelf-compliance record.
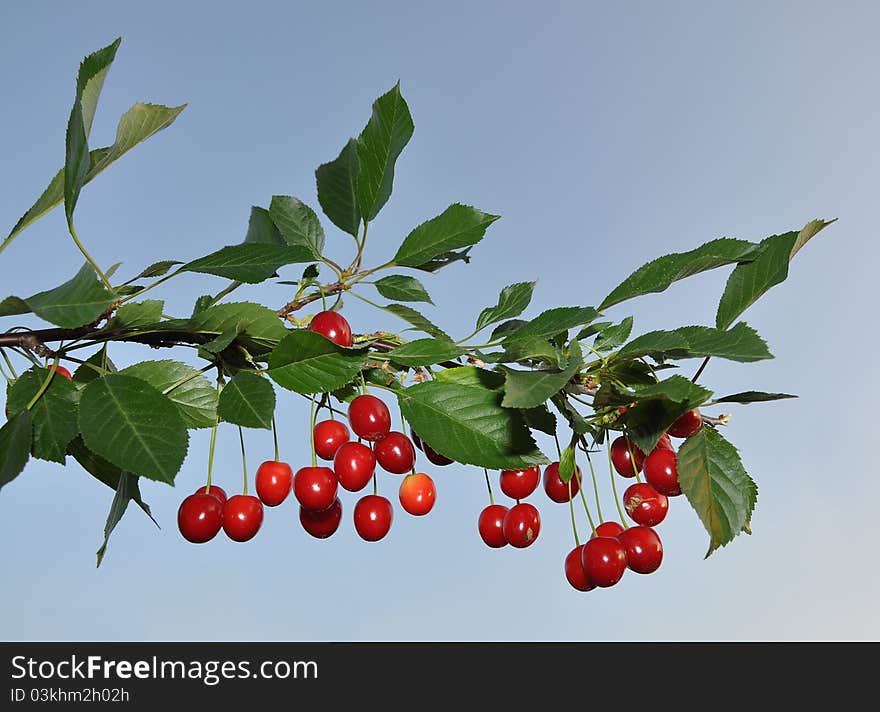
(609, 529)
(214, 491)
(433, 456)
(330, 435)
(333, 326)
(644, 551)
(372, 517)
(242, 517)
(645, 505)
(519, 484)
(521, 525)
(61, 371)
(200, 517)
(574, 570)
(369, 417)
(491, 526)
(556, 489)
(662, 473)
(604, 560)
(315, 487)
(354, 465)
(417, 494)
(620, 457)
(324, 523)
(664, 443)
(686, 425)
(273, 482)
(395, 453)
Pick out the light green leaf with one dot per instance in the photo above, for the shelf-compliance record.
(471, 376)
(134, 314)
(250, 262)
(80, 300)
(308, 363)
(417, 320)
(298, 224)
(552, 322)
(614, 335)
(512, 301)
(527, 389)
(187, 388)
(337, 189)
(741, 343)
(54, 415)
(261, 228)
(457, 226)
(264, 328)
(567, 464)
(14, 305)
(402, 288)
(248, 400)
(425, 352)
(528, 347)
(157, 269)
(15, 446)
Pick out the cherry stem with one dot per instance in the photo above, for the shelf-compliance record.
(85, 253)
(574, 529)
(211, 455)
(700, 369)
(632, 459)
(614, 486)
(39, 393)
(323, 298)
(595, 488)
(488, 486)
(375, 484)
(312, 433)
(584, 499)
(8, 363)
(558, 449)
(243, 459)
(275, 438)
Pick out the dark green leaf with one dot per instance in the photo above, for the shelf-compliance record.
(508, 327)
(299, 225)
(614, 335)
(553, 321)
(753, 397)
(417, 320)
(540, 418)
(425, 352)
(53, 415)
(248, 400)
(94, 367)
(14, 305)
(457, 226)
(251, 262)
(593, 329)
(471, 376)
(527, 389)
(657, 406)
(402, 288)
(529, 347)
(193, 394)
(157, 269)
(307, 363)
(741, 343)
(263, 332)
(134, 314)
(80, 300)
(337, 189)
(15, 446)
(127, 490)
(445, 259)
(94, 464)
(261, 229)
(512, 301)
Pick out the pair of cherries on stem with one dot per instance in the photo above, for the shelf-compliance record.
(202, 515)
(602, 561)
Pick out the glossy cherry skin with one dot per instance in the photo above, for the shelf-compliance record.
(574, 570)
(417, 494)
(555, 488)
(519, 484)
(354, 465)
(333, 326)
(604, 560)
(372, 517)
(242, 517)
(395, 453)
(645, 505)
(215, 491)
(609, 529)
(368, 416)
(644, 551)
(324, 523)
(273, 482)
(620, 457)
(686, 425)
(200, 517)
(315, 487)
(433, 456)
(521, 525)
(661, 471)
(330, 435)
(491, 526)
(61, 371)
(664, 443)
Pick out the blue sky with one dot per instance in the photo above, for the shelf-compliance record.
(605, 136)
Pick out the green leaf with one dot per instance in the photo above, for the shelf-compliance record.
(417, 320)
(614, 335)
(753, 397)
(469, 425)
(308, 363)
(14, 305)
(402, 288)
(445, 259)
(94, 367)
(15, 446)
(768, 268)
(53, 415)
(261, 228)
(136, 125)
(133, 426)
(553, 321)
(425, 352)
(251, 262)
(264, 328)
(512, 301)
(658, 405)
(187, 388)
(540, 418)
(527, 389)
(157, 269)
(248, 400)
(507, 328)
(298, 224)
(134, 314)
(741, 343)
(567, 464)
(80, 300)
(337, 189)
(457, 226)
(529, 347)
(716, 484)
(659, 274)
(127, 490)
(380, 143)
(471, 376)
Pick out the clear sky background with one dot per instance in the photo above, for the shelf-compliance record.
(605, 135)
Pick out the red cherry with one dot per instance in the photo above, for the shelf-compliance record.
(333, 326)
(609, 529)
(242, 517)
(519, 484)
(417, 494)
(369, 418)
(315, 487)
(645, 505)
(644, 551)
(273, 482)
(372, 517)
(395, 453)
(521, 525)
(574, 570)
(330, 435)
(61, 371)
(491, 526)
(604, 560)
(661, 471)
(324, 523)
(556, 489)
(620, 457)
(664, 443)
(433, 456)
(354, 465)
(200, 517)
(686, 425)
(214, 491)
